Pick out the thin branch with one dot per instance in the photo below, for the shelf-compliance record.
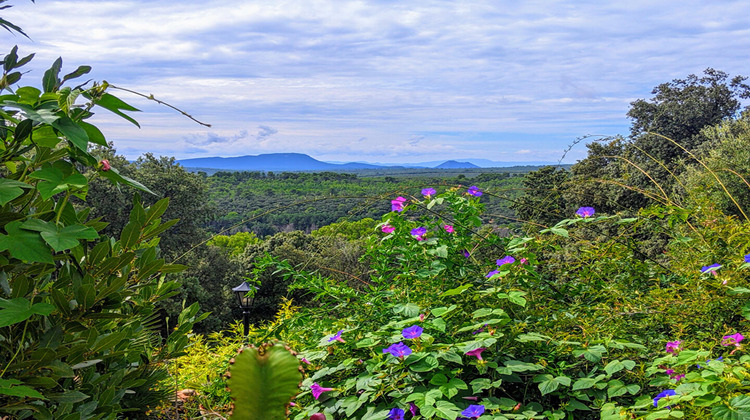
(151, 97)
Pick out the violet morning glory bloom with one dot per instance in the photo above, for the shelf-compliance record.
(673, 346)
(398, 350)
(747, 258)
(668, 393)
(413, 409)
(419, 231)
(412, 332)
(476, 352)
(733, 339)
(386, 228)
(492, 273)
(473, 411)
(585, 212)
(337, 337)
(506, 260)
(465, 253)
(427, 192)
(448, 228)
(397, 204)
(710, 268)
(317, 390)
(396, 414)
(475, 191)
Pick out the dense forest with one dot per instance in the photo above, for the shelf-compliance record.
(617, 289)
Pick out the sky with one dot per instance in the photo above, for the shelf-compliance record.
(380, 81)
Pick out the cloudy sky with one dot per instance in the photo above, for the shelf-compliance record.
(380, 81)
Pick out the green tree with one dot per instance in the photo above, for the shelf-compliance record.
(542, 202)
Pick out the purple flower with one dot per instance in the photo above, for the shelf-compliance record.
(396, 414)
(585, 212)
(735, 339)
(337, 337)
(476, 352)
(710, 268)
(492, 273)
(386, 228)
(317, 390)
(465, 253)
(427, 192)
(448, 228)
(412, 332)
(747, 258)
(479, 330)
(475, 191)
(419, 231)
(506, 260)
(413, 409)
(305, 361)
(473, 411)
(668, 393)
(398, 350)
(397, 204)
(673, 346)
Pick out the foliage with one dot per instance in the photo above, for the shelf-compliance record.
(262, 381)
(78, 308)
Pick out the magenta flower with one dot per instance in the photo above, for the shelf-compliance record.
(397, 204)
(318, 416)
(475, 191)
(506, 260)
(473, 411)
(673, 346)
(398, 350)
(413, 409)
(664, 394)
(317, 390)
(412, 332)
(105, 165)
(396, 414)
(476, 352)
(305, 361)
(465, 253)
(733, 339)
(448, 228)
(427, 192)
(711, 269)
(678, 377)
(492, 273)
(337, 337)
(418, 233)
(523, 261)
(386, 228)
(585, 212)
(421, 317)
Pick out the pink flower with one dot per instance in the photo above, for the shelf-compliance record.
(305, 361)
(317, 390)
(448, 228)
(397, 204)
(318, 416)
(421, 317)
(678, 377)
(413, 408)
(669, 371)
(476, 352)
(523, 261)
(386, 228)
(673, 346)
(735, 339)
(105, 165)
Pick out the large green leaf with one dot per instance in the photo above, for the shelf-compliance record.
(116, 105)
(73, 132)
(61, 238)
(24, 244)
(10, 189)
(20, 309)
(263, 384)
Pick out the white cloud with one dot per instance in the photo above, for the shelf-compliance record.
(347, 79)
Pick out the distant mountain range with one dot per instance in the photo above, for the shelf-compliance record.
(291, 162)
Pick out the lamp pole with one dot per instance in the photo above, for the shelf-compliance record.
(245, 299)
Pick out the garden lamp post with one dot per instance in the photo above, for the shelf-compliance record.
(245, 302)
